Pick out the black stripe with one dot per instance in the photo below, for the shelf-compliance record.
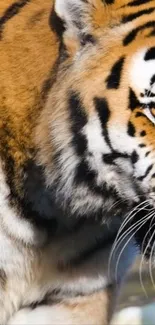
(152, 33)
(149, 105)
(12, 11)
(135, 3)
(56, 23)
(133, 101)
(148, 93)
(78, 120)
(103, 111)
(131, 129)
(141, 178)
(150, 54)
(147, 153)
(37, 203)
(139, 114)
(142, 145)
(3, 279)
(111, 157)
(34, 200)
(109, 2)
(114, 79)
(87, 176)
(47, 84)
(152, 80)
(102, 108)
(138, 14)
(132, 35)
(134, 157)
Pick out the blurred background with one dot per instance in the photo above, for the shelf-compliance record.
(138, 290)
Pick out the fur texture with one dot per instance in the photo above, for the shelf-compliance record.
(77, 151)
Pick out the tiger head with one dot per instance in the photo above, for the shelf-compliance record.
(100, 113)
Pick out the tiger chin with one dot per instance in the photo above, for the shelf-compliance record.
(77, 155)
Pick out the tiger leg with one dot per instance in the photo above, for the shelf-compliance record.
(94, 309)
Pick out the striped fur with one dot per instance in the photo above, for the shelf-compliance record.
(77, 152)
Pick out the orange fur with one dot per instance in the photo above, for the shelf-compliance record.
(35, 124)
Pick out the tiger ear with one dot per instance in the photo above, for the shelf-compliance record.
(71, 12)
(75, 15)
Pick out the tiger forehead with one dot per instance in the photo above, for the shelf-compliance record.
(124, 24)
(126, 10)
(129, 3)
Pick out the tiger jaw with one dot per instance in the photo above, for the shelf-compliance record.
(95, 184)
(100, 169)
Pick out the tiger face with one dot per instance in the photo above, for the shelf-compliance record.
(100, 111)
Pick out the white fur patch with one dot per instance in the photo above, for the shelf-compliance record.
(93, 132)
(67, 9)
(149, 115)
(141, 72)
(56, 315)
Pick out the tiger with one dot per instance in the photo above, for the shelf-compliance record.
(77, 155)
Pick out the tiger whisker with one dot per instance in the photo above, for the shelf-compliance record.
(135, 226)
(142, 261)
(119, 239)
(129, 219)
(115, 204)
(120, 254)
(150, 261)
(128, 231)
(130, 215)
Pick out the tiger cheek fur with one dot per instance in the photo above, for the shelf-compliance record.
(103, 138)
(77, 148)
